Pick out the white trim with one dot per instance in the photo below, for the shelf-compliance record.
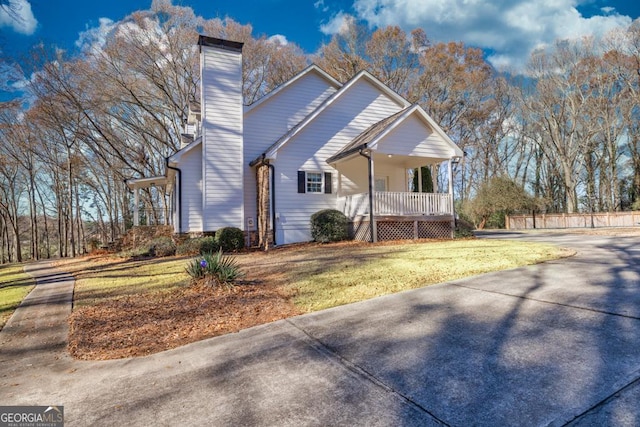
(175, 158)
(422, 114)
(306, 182)
(146, 182)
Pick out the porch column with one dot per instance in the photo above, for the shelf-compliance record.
(372, 220)
(136, 207)
(450, 167)
(420, 179)
(452, 208)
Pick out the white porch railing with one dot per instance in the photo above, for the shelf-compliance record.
(396, 203)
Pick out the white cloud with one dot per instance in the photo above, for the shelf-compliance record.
(321, 6)
(338, 24)
(94, 39)
(19, 16)
(511, 29)
(279, 39)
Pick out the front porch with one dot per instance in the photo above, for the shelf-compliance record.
(404, 199)
(397, 203)
(390, 179)
(156, 208)
(399, 215)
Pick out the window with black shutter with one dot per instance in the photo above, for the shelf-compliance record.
(314, 182)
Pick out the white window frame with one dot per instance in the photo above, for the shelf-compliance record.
(313, 184)
(385, 183)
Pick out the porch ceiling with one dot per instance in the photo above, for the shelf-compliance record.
(404, 161)
(396, 160)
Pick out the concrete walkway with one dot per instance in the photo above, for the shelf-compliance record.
(551, 344)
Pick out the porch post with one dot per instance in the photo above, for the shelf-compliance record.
(452, 208)
(136, 207)
(372, 220)
(420, 179)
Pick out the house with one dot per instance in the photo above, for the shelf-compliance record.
(313, 143)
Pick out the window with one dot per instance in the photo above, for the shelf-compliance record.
(381, 183)
(314, 182)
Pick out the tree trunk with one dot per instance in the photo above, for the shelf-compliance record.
(70, 204)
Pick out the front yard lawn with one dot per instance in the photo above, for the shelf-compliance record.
(15, 284)
(136, 307)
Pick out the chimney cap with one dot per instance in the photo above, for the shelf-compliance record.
(220, 43)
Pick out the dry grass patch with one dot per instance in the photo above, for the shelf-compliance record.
(15, 285)
(99, 278)
(380, 270)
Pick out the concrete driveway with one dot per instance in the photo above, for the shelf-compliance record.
(551, 344)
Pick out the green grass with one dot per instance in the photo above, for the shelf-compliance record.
(380, 270)
(103, 278)
(15, 284)
(319, 276)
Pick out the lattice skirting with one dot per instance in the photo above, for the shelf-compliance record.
(434, 230)
(401, 230)
(360, 230)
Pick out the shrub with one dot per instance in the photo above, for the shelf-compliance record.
(208, 245)
(496, 198)
(198, 246)
(162, 246)
(329, 225)
(93, 244)
(138, 252)
(216, 269)
(464, 229)
(230, 239)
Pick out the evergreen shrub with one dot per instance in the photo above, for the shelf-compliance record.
(329, 225)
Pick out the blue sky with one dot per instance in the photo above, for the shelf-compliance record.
(506, 29)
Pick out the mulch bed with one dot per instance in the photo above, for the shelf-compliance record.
(139, 325)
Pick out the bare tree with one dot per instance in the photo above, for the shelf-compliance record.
(345, 55)
(393, 58)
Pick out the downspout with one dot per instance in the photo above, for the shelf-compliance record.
(179, 193)
(372, 223)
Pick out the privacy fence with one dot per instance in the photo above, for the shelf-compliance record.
(584, 220)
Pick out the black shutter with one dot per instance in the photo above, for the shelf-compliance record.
(327, 182)
(302, 182)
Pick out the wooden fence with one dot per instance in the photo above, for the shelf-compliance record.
(584, 220)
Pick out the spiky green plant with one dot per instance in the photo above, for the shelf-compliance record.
(215, 268)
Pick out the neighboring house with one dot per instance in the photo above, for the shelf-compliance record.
(311, 144)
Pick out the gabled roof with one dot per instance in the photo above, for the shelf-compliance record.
(363, 140)
(310, 69)
(175, 157)
(377, 131)
(271, 151)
